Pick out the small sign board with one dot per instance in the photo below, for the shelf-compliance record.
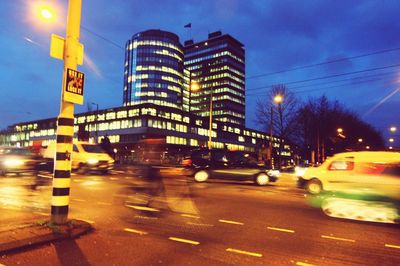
(73, 91)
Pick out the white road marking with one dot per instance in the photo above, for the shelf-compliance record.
(230, 222)
(338, 238)
(244, 252)
(198, 224)
(280, 229)
(43, 213)
(190, 216)
(146, 217)
(104, 203)
(80, 200)
(303, 264)
(130, 230)
(142, 208)
(187, 241)
(391, 246)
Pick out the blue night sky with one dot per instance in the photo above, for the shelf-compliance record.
(278, 35)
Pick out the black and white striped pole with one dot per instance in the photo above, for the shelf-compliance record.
(71, 52)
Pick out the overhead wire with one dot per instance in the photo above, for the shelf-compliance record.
(324, 63)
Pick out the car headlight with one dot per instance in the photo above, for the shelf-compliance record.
(92, 161)
(273, 172)
(13, 162)
(299, 171)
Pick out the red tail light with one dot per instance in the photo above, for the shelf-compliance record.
(187, 162)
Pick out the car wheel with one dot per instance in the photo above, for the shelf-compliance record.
(262, 179)
(104, 172)
(314, 186)
(201, 176)
(82, 169)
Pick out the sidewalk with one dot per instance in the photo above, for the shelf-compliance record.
(19, 230)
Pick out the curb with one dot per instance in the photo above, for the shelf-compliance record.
(39, 234)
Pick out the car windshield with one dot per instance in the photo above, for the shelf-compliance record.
(16, 151)
(91, 148)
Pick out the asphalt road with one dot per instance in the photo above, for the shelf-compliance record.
(186, 223)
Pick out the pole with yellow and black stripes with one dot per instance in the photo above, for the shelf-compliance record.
(65, 121)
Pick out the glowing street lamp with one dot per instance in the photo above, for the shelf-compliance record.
(393, 129)
(391, 140)
(360, 140)
(339, 130)
(278, 99)
(45, 13)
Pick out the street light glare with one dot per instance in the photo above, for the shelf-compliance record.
(340, 130)
(194, 86)
(393, 129)
(278, 99)
(45, 12)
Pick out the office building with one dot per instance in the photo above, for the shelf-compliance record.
(153, 70)
(217, 67)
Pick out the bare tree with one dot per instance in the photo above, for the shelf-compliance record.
(320, 120)
(279, 115)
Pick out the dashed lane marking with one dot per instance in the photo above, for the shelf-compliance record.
(391, 246)
(45, 176)
(199, 224)
(280, 229)
(113, 178)
(338, 238)
(130, 230)
(190, 216)
(119, 171)
(146, 217)
(142, 208)
(80, 200)
(104, 203)
(182, 240)
(300, 263)
(78, 180)
(230, 222)
(244, 252)
(43, 213)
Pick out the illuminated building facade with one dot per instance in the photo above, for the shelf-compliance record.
(128, 126)
(153, 70)
(217, 66)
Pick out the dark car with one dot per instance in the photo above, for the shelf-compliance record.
(18, 160)
(204, 164)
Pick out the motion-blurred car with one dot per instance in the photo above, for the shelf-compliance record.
(17, 160)
(204, 164)
(361, 186)
(85, 157)
(350, 171)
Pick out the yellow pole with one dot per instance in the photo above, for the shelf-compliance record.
(65, 121)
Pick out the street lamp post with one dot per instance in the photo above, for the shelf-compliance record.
(65, 121)
(194, 86)
(210, 122)
(278, 100)
(96, 120)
